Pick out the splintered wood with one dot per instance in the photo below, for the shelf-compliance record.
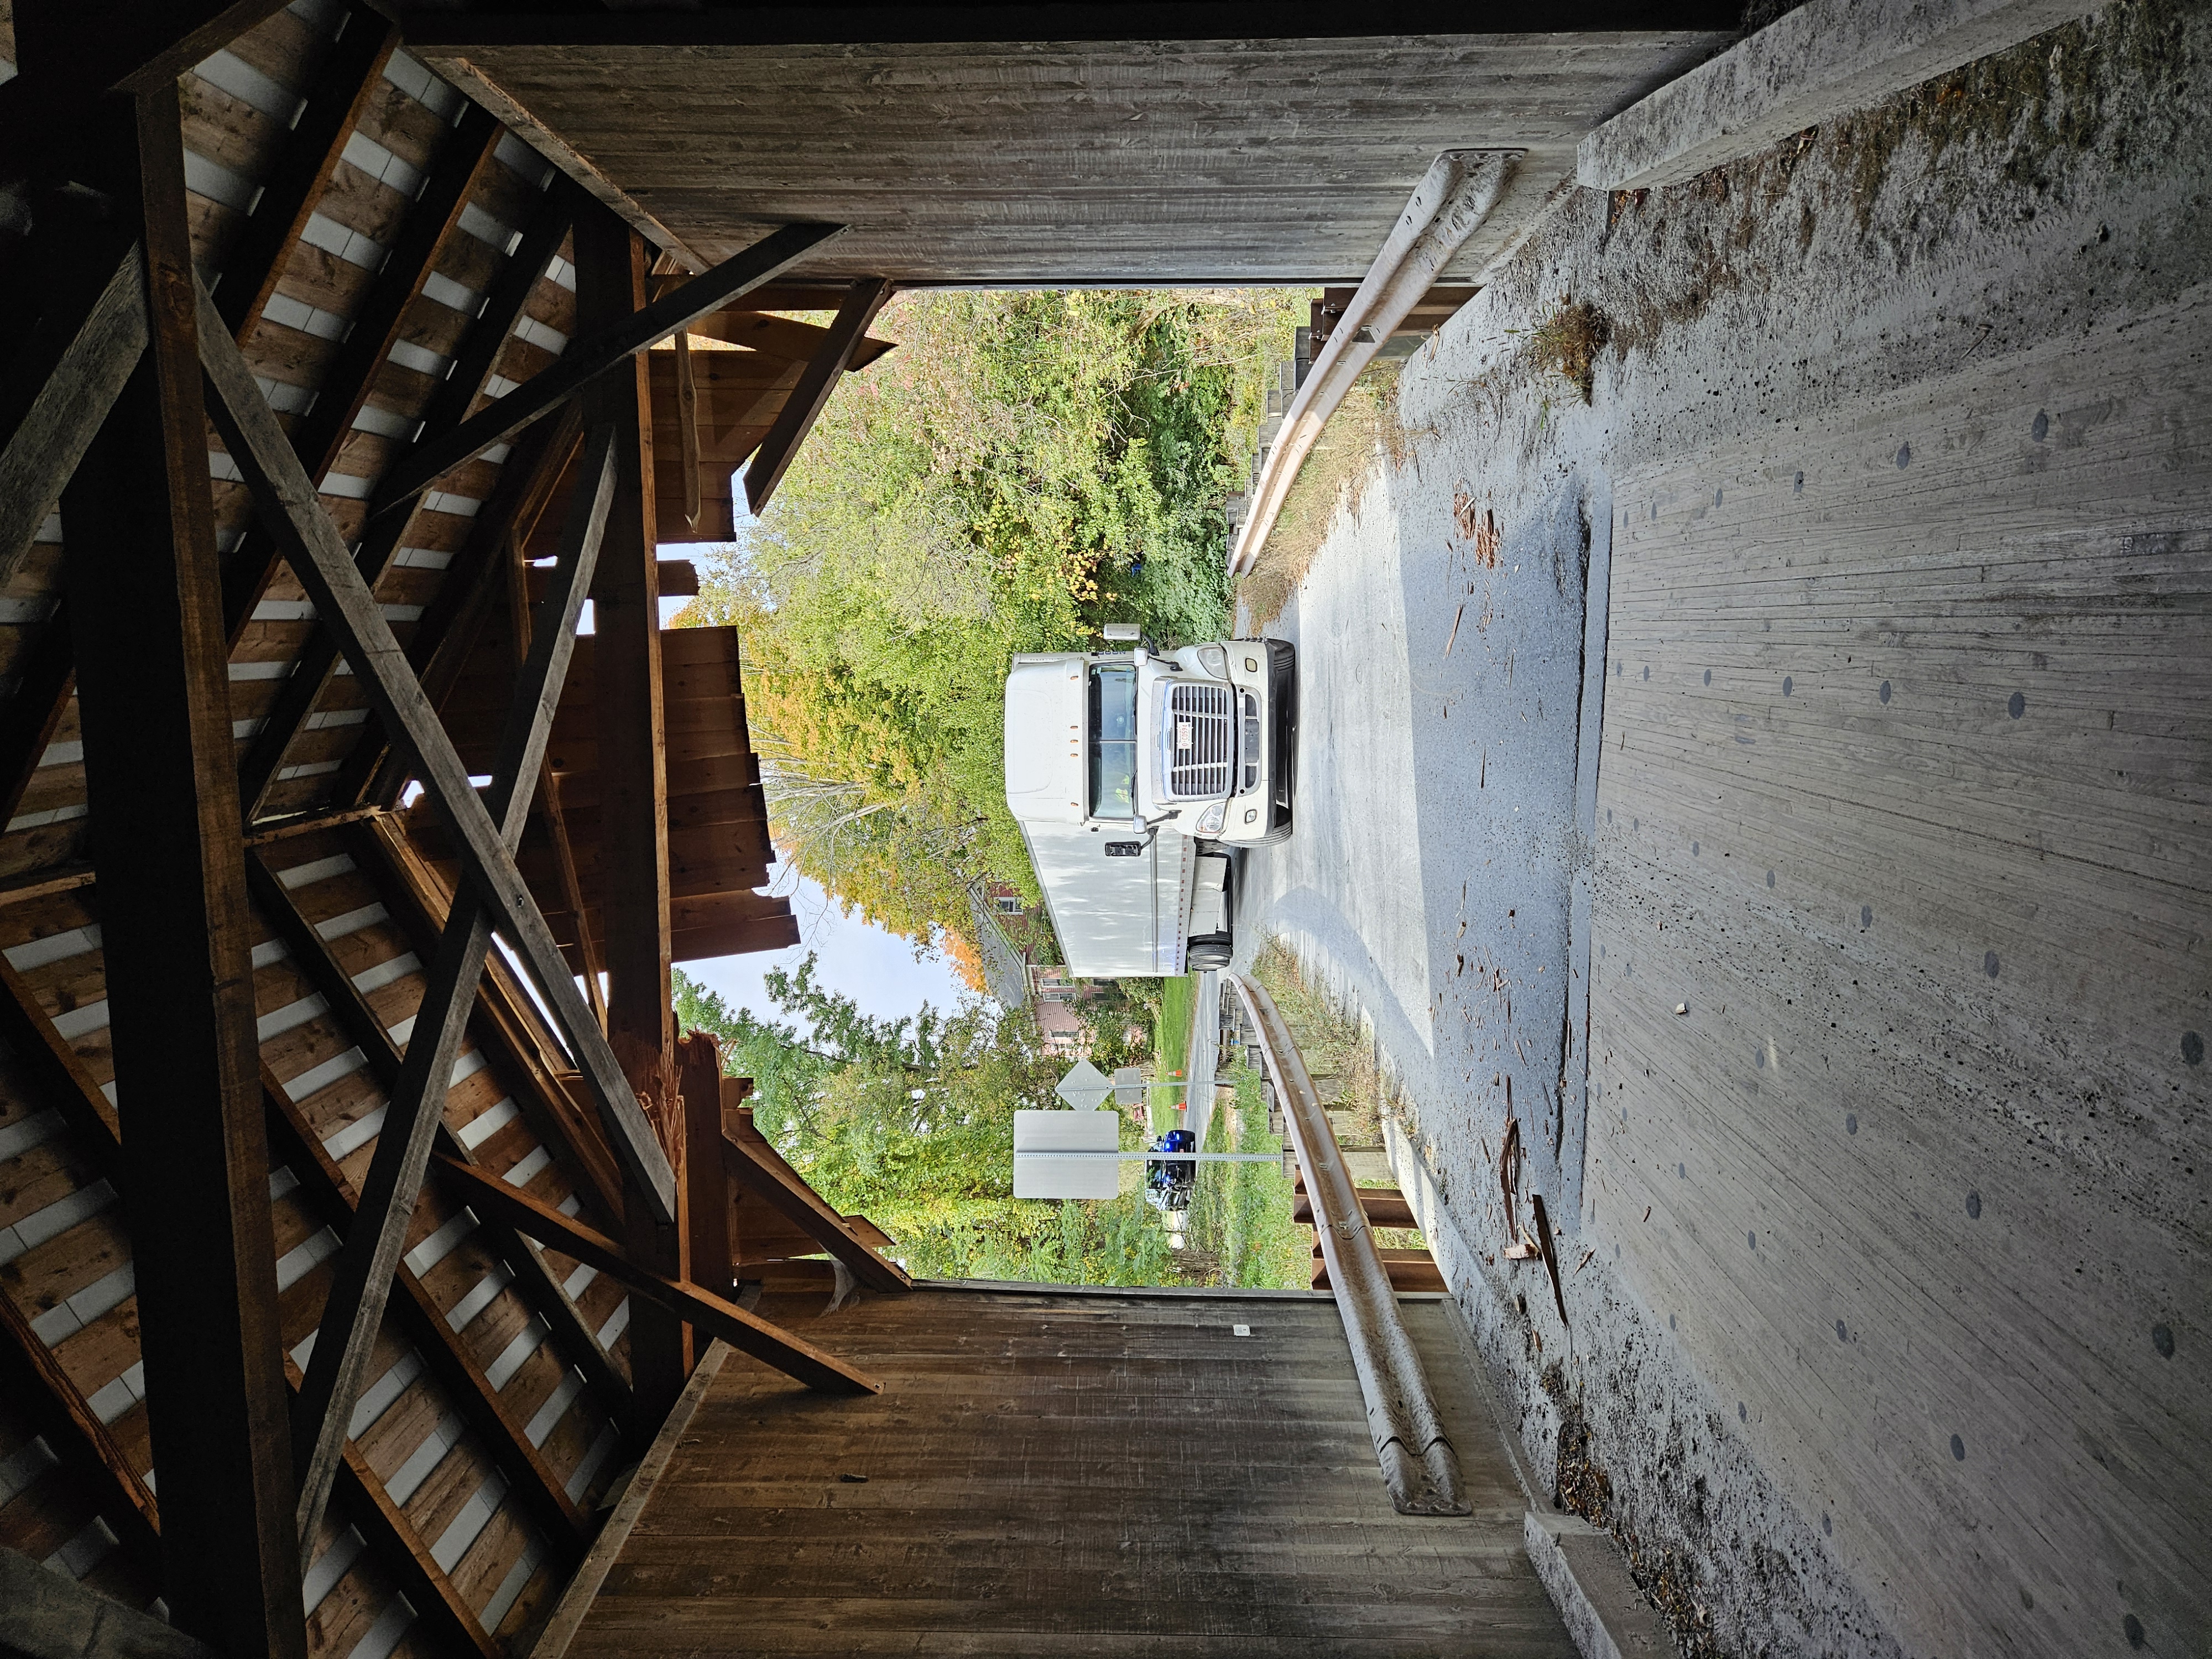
(1476, 525)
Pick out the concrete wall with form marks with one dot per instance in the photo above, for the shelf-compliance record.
(1890, 1297)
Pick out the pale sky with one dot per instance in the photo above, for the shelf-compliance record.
(876, 969)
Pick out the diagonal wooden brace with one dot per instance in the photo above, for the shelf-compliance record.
(294, 515)
(78, 382)
(586, 359)
(338, 1369)
(770, 1344)
(759, 1168)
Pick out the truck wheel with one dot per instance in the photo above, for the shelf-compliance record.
(1210, 950)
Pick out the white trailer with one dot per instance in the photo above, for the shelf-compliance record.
(1133, 775)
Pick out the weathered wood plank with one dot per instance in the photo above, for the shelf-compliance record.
(790, 1355)
(586, 359)
(343, 601)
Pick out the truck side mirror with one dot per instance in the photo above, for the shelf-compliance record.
(1123, 633)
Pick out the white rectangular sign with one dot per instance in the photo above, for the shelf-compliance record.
(1038, 1135)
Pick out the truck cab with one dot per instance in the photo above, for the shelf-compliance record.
(1132, 774)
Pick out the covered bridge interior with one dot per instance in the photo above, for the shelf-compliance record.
(367, 1287)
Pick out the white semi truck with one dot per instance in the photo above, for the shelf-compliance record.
(1132, 773)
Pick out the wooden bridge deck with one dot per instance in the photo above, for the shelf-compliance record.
(1049, 1472)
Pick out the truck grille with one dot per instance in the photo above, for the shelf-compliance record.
(1201, 740)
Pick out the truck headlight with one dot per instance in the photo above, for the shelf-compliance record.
(1215, 660)
(1210, 820)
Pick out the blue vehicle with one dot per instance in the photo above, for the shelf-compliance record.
(1168, 1187)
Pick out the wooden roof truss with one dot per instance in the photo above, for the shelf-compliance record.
(412, 1248)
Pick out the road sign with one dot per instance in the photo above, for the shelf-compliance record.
(1084, 1087)
(1056, 1153)
(1128, 1086)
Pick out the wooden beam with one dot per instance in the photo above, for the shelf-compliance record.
(399, 1549)
(529, 1476)
(706, 1184)
(560, 1127)
(45, 676)
(128, 45)
(446, 635)
(45, 883)
(511, 1024)
(807, 400)
(36, 1382)
(627, 713)
(770, 1344)
(58, 389)
(336, 99)
(522, 581)
(320, 433)
(548, 226)
(320, 558)
(32, 1376)
(337, 1370)
(759, 1169)
(55, 1072)
(440, 31)
(588, 358)
(154, 694)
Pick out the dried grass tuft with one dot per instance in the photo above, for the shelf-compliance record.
(1568, 342)
(1366, 426)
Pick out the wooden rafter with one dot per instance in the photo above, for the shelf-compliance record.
(509, 1021)
(529, 1476)
(321, 435)
(446, 635)
(338, 1368)
(336, 102)
(588, 358)
(310, 953)
(56, 1071)
(401, 1550)
(29, 718)
(166, 835)
(320, 558)
(34, 1381)
(811, 395)
(465, 381)
(768, 1343)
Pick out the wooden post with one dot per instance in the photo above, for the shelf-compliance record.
(706, 1184)
(145, 595)
(633, 769)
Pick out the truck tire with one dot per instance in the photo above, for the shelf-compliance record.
(1209, 951)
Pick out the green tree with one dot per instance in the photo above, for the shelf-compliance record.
(910, 1122)
(1026, 467)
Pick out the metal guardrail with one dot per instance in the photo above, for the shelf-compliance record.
(1419, 1465)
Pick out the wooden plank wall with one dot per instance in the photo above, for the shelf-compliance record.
(1902, 803)
(65, 1263)
(238, 107)
(1224, 161)
(65, 1256)
(1049, 1472)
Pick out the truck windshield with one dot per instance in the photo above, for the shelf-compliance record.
(1114, 741)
